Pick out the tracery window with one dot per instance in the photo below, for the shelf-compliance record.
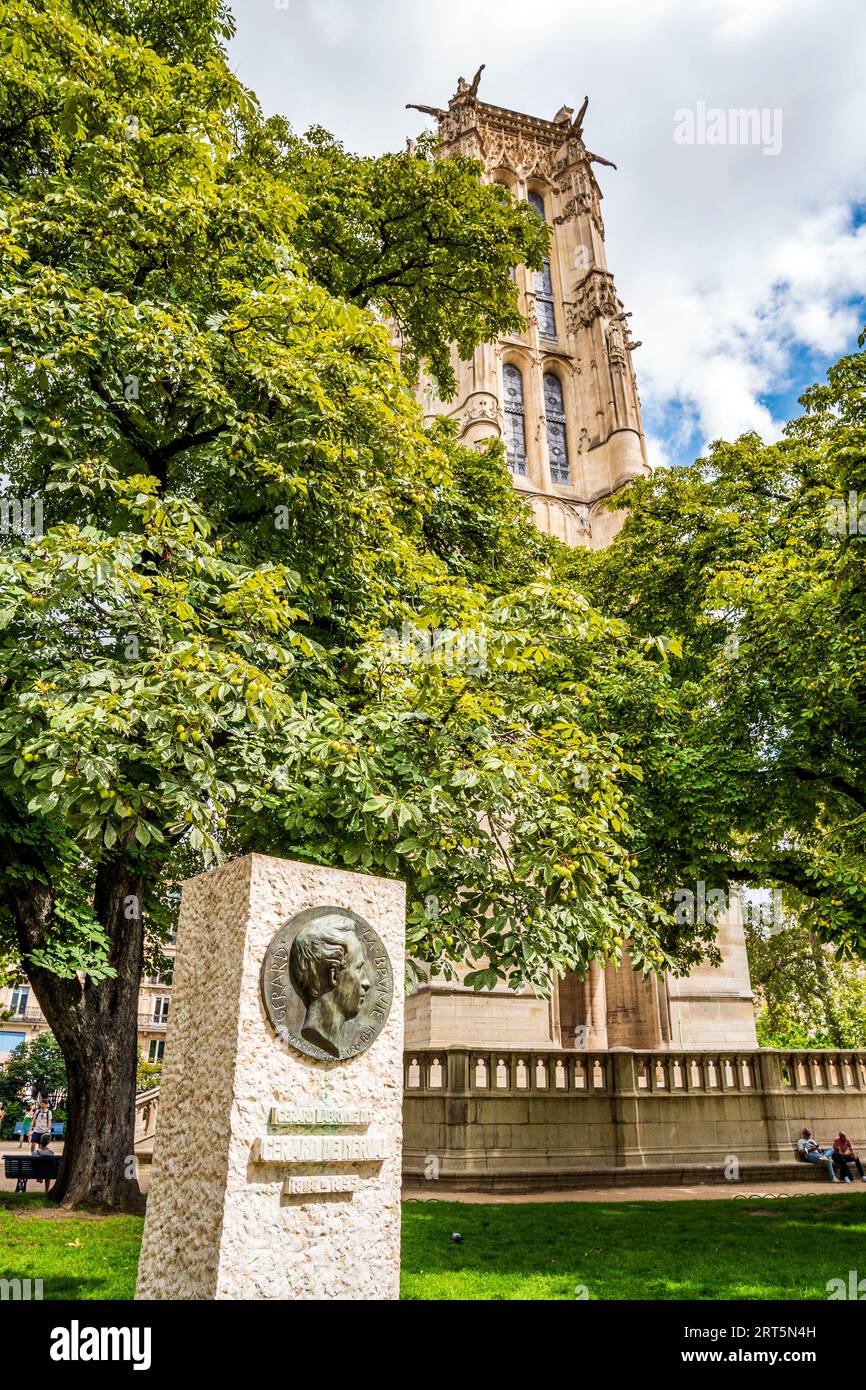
(557, 437)
(543, 283)
(544, 302)
(515, 420)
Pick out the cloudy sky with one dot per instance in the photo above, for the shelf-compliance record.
(745, 271)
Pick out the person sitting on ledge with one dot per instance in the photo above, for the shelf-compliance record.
(843, 1155)
(43, 1151)
(813, 1153)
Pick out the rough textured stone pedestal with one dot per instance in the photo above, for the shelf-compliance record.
(221, 1221)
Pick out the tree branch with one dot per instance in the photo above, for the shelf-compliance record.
(834, 780)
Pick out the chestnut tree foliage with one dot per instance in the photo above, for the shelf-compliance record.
(753, 561)
(806, 996)
(240, 503)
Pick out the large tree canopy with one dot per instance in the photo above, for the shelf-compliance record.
(241, 508)
(175, 29)
(754, 561)
(806, 998)
(421, 238)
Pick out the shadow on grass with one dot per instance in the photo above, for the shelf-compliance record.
(643, 1250)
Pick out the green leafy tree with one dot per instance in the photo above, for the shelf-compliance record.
(191, 30)
(202, 649)
(36, 1068)
(806, 997)
(753, 561)
(147, 1074)
(422, 240)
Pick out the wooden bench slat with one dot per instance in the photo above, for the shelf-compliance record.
(19, 1166)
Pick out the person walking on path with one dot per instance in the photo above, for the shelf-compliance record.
(26, 1125)
(41, 1124)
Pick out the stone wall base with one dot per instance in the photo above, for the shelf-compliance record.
(517, 1180)
(529, 1120)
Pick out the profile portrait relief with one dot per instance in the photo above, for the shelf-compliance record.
(327, 983)
(327, 968)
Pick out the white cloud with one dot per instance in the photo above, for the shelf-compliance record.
(658, 451)
(722, 341)
(736, 266)
(335, 18)
(741, 21)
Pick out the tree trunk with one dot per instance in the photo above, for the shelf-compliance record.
(96, 1032)
(98, 1158)
(95, 1024)
(101, 1051)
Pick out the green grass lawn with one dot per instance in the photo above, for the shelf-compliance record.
(757, 1249)
(753, 1249)
(75, 1256)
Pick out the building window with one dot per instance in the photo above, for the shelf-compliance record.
(19, 1000)
(515, 420)
(160, 1008)
(544, 302)
(156, 1050)
(543, 283)
(557, 438)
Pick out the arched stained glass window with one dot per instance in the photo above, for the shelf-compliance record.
(543, 283)
(515, 420)
(557, 438)
(544, 302)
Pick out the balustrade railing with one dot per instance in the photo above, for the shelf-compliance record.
(505, 1072)
(513, 1071)
(28, 1015)
(823, 1071)
(148, 1024)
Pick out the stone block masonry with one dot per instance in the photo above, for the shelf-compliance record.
(275, 1175)
(524, 1120)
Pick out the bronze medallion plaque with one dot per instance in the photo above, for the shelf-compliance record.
(327, 983)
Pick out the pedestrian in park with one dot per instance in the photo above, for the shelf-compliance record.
(41, 1123)
(26, 1126)
(844, 1156)
(42, 1152)
(812, 1152)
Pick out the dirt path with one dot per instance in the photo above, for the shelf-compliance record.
(705, 1192)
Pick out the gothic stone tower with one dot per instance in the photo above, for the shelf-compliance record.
(563, 396)
(563, 393)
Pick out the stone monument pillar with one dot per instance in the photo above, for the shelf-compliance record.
(277, 1159)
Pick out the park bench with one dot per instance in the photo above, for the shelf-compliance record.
(22, 1167)
(56, 1129)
